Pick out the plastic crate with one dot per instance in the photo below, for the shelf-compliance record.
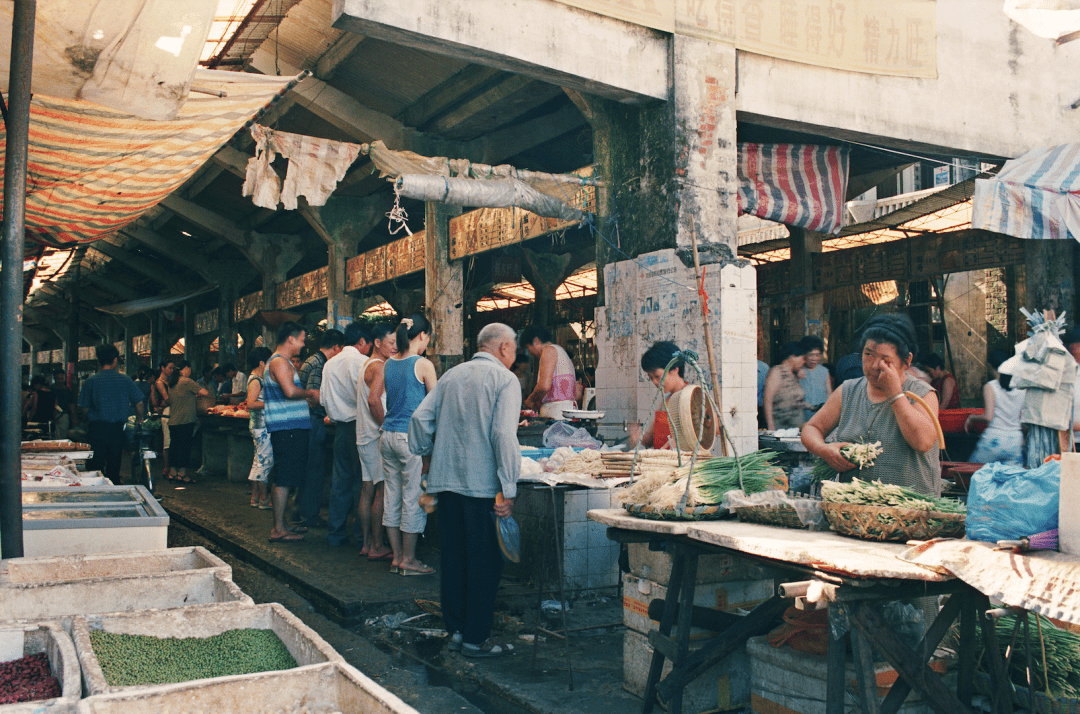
(952, 420)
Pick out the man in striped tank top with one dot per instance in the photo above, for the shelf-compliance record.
(288, 419)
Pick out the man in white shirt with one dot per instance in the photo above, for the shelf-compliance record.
(340, 376)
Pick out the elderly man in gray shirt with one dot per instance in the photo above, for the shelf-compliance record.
(466, 430)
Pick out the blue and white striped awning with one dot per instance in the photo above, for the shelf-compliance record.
(1034, 196)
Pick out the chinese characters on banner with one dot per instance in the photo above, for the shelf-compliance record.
(898, 37)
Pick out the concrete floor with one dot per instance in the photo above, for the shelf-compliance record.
(335, 590)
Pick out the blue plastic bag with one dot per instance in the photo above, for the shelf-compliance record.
(1011, 502)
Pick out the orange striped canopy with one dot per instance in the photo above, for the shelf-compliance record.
(93, 170)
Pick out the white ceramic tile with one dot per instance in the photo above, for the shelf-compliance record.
(599, 498)
(576, 505)
(597, 536)
(576, 562)
(575, 535)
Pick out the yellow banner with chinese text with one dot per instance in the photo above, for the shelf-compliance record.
(898, 37)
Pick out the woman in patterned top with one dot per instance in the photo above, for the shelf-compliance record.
(874, 408)
(784, 400)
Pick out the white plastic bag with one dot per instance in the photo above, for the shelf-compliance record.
(562, 434)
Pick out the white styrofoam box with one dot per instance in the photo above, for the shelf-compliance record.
(727, 596)
(784, 677)
(47, 600)
(723, 687)
(714, 568)
(318, 689)
(49, 638)
(49, 569)
(303, 643)
(106, 519)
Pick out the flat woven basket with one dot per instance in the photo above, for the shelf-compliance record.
(783, 515)
(696, 513)
(883, 523)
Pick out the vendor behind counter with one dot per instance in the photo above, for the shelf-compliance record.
(874, 408)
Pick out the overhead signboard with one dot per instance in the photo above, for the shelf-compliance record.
(897, 38)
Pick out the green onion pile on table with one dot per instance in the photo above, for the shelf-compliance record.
(710, 480)
(876, 493)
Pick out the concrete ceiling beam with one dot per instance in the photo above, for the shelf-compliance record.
(337, 53)
(143, 266)
(548, 41)
(186, 254)
(449, 94)
(511, 141)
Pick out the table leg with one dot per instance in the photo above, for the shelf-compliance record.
(933, 637)
(1002, 699)
(682, 632)
(965, 681)
(865, 677)
(837, 667)
(656, 668)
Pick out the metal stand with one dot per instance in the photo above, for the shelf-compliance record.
(540, 589)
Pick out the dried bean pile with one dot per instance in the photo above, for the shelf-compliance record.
(129, 660)
(27, 679)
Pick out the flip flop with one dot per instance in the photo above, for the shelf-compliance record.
(291, 538)
(384, 556)
(297, 529)
(407, 572)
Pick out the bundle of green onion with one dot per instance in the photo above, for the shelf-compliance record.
(862, 455)
(876, 493)
(752, 473)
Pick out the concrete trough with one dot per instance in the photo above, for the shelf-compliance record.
(303, 643)
(53, 569)
(51, 600)
(317, 689)
(47, 637)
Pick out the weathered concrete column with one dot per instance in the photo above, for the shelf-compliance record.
(339, 304)
(33, 361)
(129, 345)
(226, 329)
(1050, 277)
(444, 287)
(190, 352)
(671, 176)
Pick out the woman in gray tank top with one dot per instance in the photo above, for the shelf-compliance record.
(874, 408)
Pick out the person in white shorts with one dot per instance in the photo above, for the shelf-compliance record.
(370, 408)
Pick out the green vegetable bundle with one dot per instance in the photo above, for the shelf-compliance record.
(1062, 666)
(862, 455)
(876, 493)
(715, 477)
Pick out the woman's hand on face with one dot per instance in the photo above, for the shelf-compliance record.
(832, 456)
(890, 379)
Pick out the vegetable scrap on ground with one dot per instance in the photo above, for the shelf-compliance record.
(128, 660)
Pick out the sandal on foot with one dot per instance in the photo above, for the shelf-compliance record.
(488, 649)
(454, 645)
(290, 538)
(423, 570)
(265, 505)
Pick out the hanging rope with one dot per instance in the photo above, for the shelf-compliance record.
(397, 214)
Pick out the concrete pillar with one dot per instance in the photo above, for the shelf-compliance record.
(129, 343)
(156, 350)
(339, 304)
(33, 361)
(190, 353)
(665, 192)
(1050, 277)
(269, 302)
(444, 287)
(227, 295)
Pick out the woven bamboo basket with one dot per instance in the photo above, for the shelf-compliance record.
(783, 515)
(882, 523)
(696, 513)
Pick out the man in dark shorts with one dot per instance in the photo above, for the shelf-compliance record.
(288, 419)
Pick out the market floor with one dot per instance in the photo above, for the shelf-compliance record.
(358, 607)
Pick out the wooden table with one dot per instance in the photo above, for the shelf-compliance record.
(857, 574)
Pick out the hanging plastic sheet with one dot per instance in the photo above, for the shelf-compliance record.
(1035, 196)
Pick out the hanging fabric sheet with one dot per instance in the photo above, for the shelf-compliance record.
(316, 166)
(1035, 196)
(795, 184)
(93, 170)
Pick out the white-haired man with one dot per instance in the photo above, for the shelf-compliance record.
(466, 430)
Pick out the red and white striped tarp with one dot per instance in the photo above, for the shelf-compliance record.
(794, 184)
(93, 170)
(1035, 196)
